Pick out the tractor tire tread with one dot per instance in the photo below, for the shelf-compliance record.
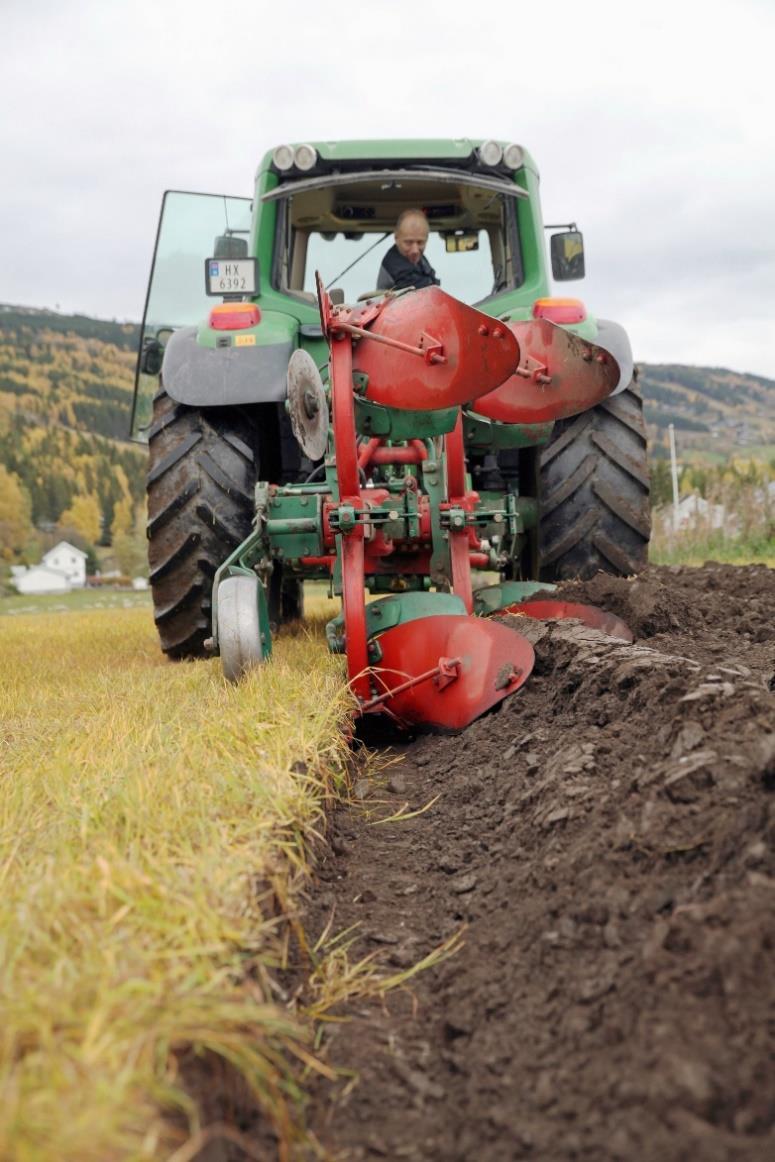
(561, 439)
(164, 515)
(568, 486)
(222, 479)
(163, 466)
(625, 461)
(203, 466)
(594, 509)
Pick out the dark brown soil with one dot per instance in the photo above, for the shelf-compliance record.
(606, 841)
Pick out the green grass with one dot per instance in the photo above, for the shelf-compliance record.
(708, 456)
(155, 825)
(75, 601)
(697, 554)
(763, 452)
(744, 513)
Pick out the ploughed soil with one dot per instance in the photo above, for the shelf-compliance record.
(604, 842)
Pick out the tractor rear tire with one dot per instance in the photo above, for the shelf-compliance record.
(594, 492)
(203, 466)
(285, 598)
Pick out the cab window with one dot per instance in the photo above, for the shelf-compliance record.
(473, 244)
(468, 275)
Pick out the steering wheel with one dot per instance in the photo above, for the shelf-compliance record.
(375, 294)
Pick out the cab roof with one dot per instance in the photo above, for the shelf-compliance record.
(460, 151)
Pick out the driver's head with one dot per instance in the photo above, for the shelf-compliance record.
(412, 234)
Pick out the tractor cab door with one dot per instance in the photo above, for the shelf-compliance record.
(192, 227)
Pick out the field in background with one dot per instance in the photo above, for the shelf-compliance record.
(75, 601)
(664, 551)
(734, 522)
(154, 825)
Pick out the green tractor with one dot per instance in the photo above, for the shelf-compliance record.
(223, 319)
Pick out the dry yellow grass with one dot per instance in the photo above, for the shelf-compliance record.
(149, 814)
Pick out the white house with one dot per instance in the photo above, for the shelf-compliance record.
(40, 579)
(65, 558)
(694, 512)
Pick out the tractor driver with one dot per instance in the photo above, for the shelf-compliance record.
(405, 263)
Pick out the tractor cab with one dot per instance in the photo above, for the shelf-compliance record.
(343, 229)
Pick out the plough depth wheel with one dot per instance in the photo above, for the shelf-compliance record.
(239, 625)
(241, 639)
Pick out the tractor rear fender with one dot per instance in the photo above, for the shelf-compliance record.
(613, 337)
(198, 373)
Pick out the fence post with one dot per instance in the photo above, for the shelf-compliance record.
(674, 474)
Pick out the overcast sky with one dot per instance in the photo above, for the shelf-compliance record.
(653, 128)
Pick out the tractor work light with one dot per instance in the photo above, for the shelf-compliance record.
(560, 310)
(490, 153)
(305, 157)
(282, 157)
(513, 156)
(234, 316)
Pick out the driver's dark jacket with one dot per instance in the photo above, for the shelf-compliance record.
(397, 272)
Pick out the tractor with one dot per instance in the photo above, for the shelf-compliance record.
(435, 455)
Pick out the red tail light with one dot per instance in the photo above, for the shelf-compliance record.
(560, 310)
(234, 316)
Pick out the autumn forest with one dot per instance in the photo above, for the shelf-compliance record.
(66, 466)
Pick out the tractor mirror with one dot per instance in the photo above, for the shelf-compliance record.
(567, 250)
(227, 246)
(151, 357)
(460, 241)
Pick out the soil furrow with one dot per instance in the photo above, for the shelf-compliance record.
(606, 841)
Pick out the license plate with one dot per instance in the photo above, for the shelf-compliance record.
(230, 276)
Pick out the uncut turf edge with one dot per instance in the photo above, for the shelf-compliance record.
(155, 827)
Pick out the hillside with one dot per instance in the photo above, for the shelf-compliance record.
(66, 390)
(65, 398)
(715, 411)
(68, 370)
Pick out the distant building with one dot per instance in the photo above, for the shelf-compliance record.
(63, 568)
(694, 511)
(67, 559)
(40, 579)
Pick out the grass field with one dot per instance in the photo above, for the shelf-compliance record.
(154, 833)
(77, 599)
(698, 554)
(747, 536)
(155, 828)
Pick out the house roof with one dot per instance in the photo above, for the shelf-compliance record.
(47, 569)
(69, 547)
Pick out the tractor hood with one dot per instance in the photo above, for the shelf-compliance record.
(209, 368)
